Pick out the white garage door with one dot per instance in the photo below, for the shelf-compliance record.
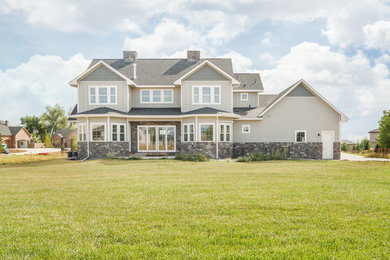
(327, 144)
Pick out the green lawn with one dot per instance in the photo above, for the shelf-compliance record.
(173, 209)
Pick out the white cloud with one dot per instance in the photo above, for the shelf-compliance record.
(378, 35)
(356, 87)
(41, 81)
(240, 63)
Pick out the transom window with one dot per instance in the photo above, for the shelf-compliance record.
(82, 133)
(300, 136)
(118, 132)
(206, 132)
(225, 132)
(188, 132)
(157, 96)
(244, 96)
(98, 132)
(102, 95)
(246, 129)
(206, 94)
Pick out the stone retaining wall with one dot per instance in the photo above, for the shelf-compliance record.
(99, 150)
(293, 150)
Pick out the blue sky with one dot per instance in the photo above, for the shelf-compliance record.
(341, 48)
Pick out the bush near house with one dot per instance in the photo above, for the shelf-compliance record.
(384, 130)
(257, 156)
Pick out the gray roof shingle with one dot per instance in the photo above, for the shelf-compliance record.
(249, 81)
(15, 129)
(4, 130)
(64, 133)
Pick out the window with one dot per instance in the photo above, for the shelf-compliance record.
(156, 96)
(188, 132)
(82, 133)
(102, 95)
(224, 132)
(118, 132)
(246, 129)
(244, 97)
(98, 132)
(300, 136)
(206, 132)
(206, 94)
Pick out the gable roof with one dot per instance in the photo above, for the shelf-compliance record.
(285, 92)
(16, 129)
(348, 142)
(64, 133)
(90, 69)
(374, 130)
(249, 81)
(203, 64)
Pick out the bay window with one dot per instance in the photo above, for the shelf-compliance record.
(118, 132)
(82, 133)
(188, 132)
(225, 132)
(206, 132)
(98, 132)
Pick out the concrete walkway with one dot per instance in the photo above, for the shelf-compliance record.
(353, 157)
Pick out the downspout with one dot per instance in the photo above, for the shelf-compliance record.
(216, 148)
(87, 135)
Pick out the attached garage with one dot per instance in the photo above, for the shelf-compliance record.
(22, 144)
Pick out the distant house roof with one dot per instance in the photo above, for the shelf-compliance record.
(11, 130)
(4, 130)
(249, 81)
(374, 131)
(15, 129)
(348, 142)
(64, 133)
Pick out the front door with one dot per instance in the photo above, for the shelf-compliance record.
(327, 144)
(157, 138)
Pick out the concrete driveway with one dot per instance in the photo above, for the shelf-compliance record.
(353, 157)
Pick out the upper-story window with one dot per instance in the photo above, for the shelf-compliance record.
(206, 94)
(157, 96)
(102, 95)
(244, 97)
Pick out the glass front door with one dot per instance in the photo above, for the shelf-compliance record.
(156, 139)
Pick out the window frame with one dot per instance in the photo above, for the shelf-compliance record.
(212, 94)
(200, 132)
(118, 133)
(249, 129)
(82, 133)
(247, 96)
(151, 96)
(105, 131)
(225, 132)
(300, 131)
(108, 88)
(188, 125)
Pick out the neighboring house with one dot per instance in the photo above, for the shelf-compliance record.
(190, 105)
(64, 137)
(374, 134)
(14, 136)
(349, 144)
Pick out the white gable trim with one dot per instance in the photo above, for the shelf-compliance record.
(205, 63)
(344, 118)
(74, 81)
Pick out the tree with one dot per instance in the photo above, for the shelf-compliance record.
(47, 141)
(74, 144)
(384, 130)
(34, 126)
(344, 147)
(365, 144)
(1, 144)
(54, 119)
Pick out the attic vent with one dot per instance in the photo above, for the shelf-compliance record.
(193, 55)
(129, 56)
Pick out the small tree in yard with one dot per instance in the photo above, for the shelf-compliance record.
(384, 130)
(74, 144)
(344, 147)
(48, 141)
(365, 144)
(1, 144)
(356, 147)
(54, 119)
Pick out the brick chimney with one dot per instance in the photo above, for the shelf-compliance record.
(129, 56)
(193, 55)
(6, 123)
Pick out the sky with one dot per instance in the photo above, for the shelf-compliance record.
(341, 48)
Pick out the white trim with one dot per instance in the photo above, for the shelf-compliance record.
(162, 96)
(200, 131)
(155, 86)
(216, 140)
(344, 118)
(189, 133)
(105, 131)
(225, 132)
(74, 81)
(108, 87)
(83, 131)
(212, 94)
(298, 131)
(247, 90)
(157, 138)
(247, 96)
(201, 65)
(118, 125)
(242, 129)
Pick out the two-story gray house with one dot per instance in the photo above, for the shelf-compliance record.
(194, 104)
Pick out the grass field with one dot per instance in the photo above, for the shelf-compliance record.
(173, 209)
(26, 158)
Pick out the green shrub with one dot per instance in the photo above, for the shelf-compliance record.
(197, 157)
(242, 159)
(257, 156)
(344, 147)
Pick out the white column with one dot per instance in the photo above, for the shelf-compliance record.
(217, 139)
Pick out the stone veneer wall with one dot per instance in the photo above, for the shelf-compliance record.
(225, 149)
(294, 150)
(336, 150)
(99, 150)
(134, 132)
